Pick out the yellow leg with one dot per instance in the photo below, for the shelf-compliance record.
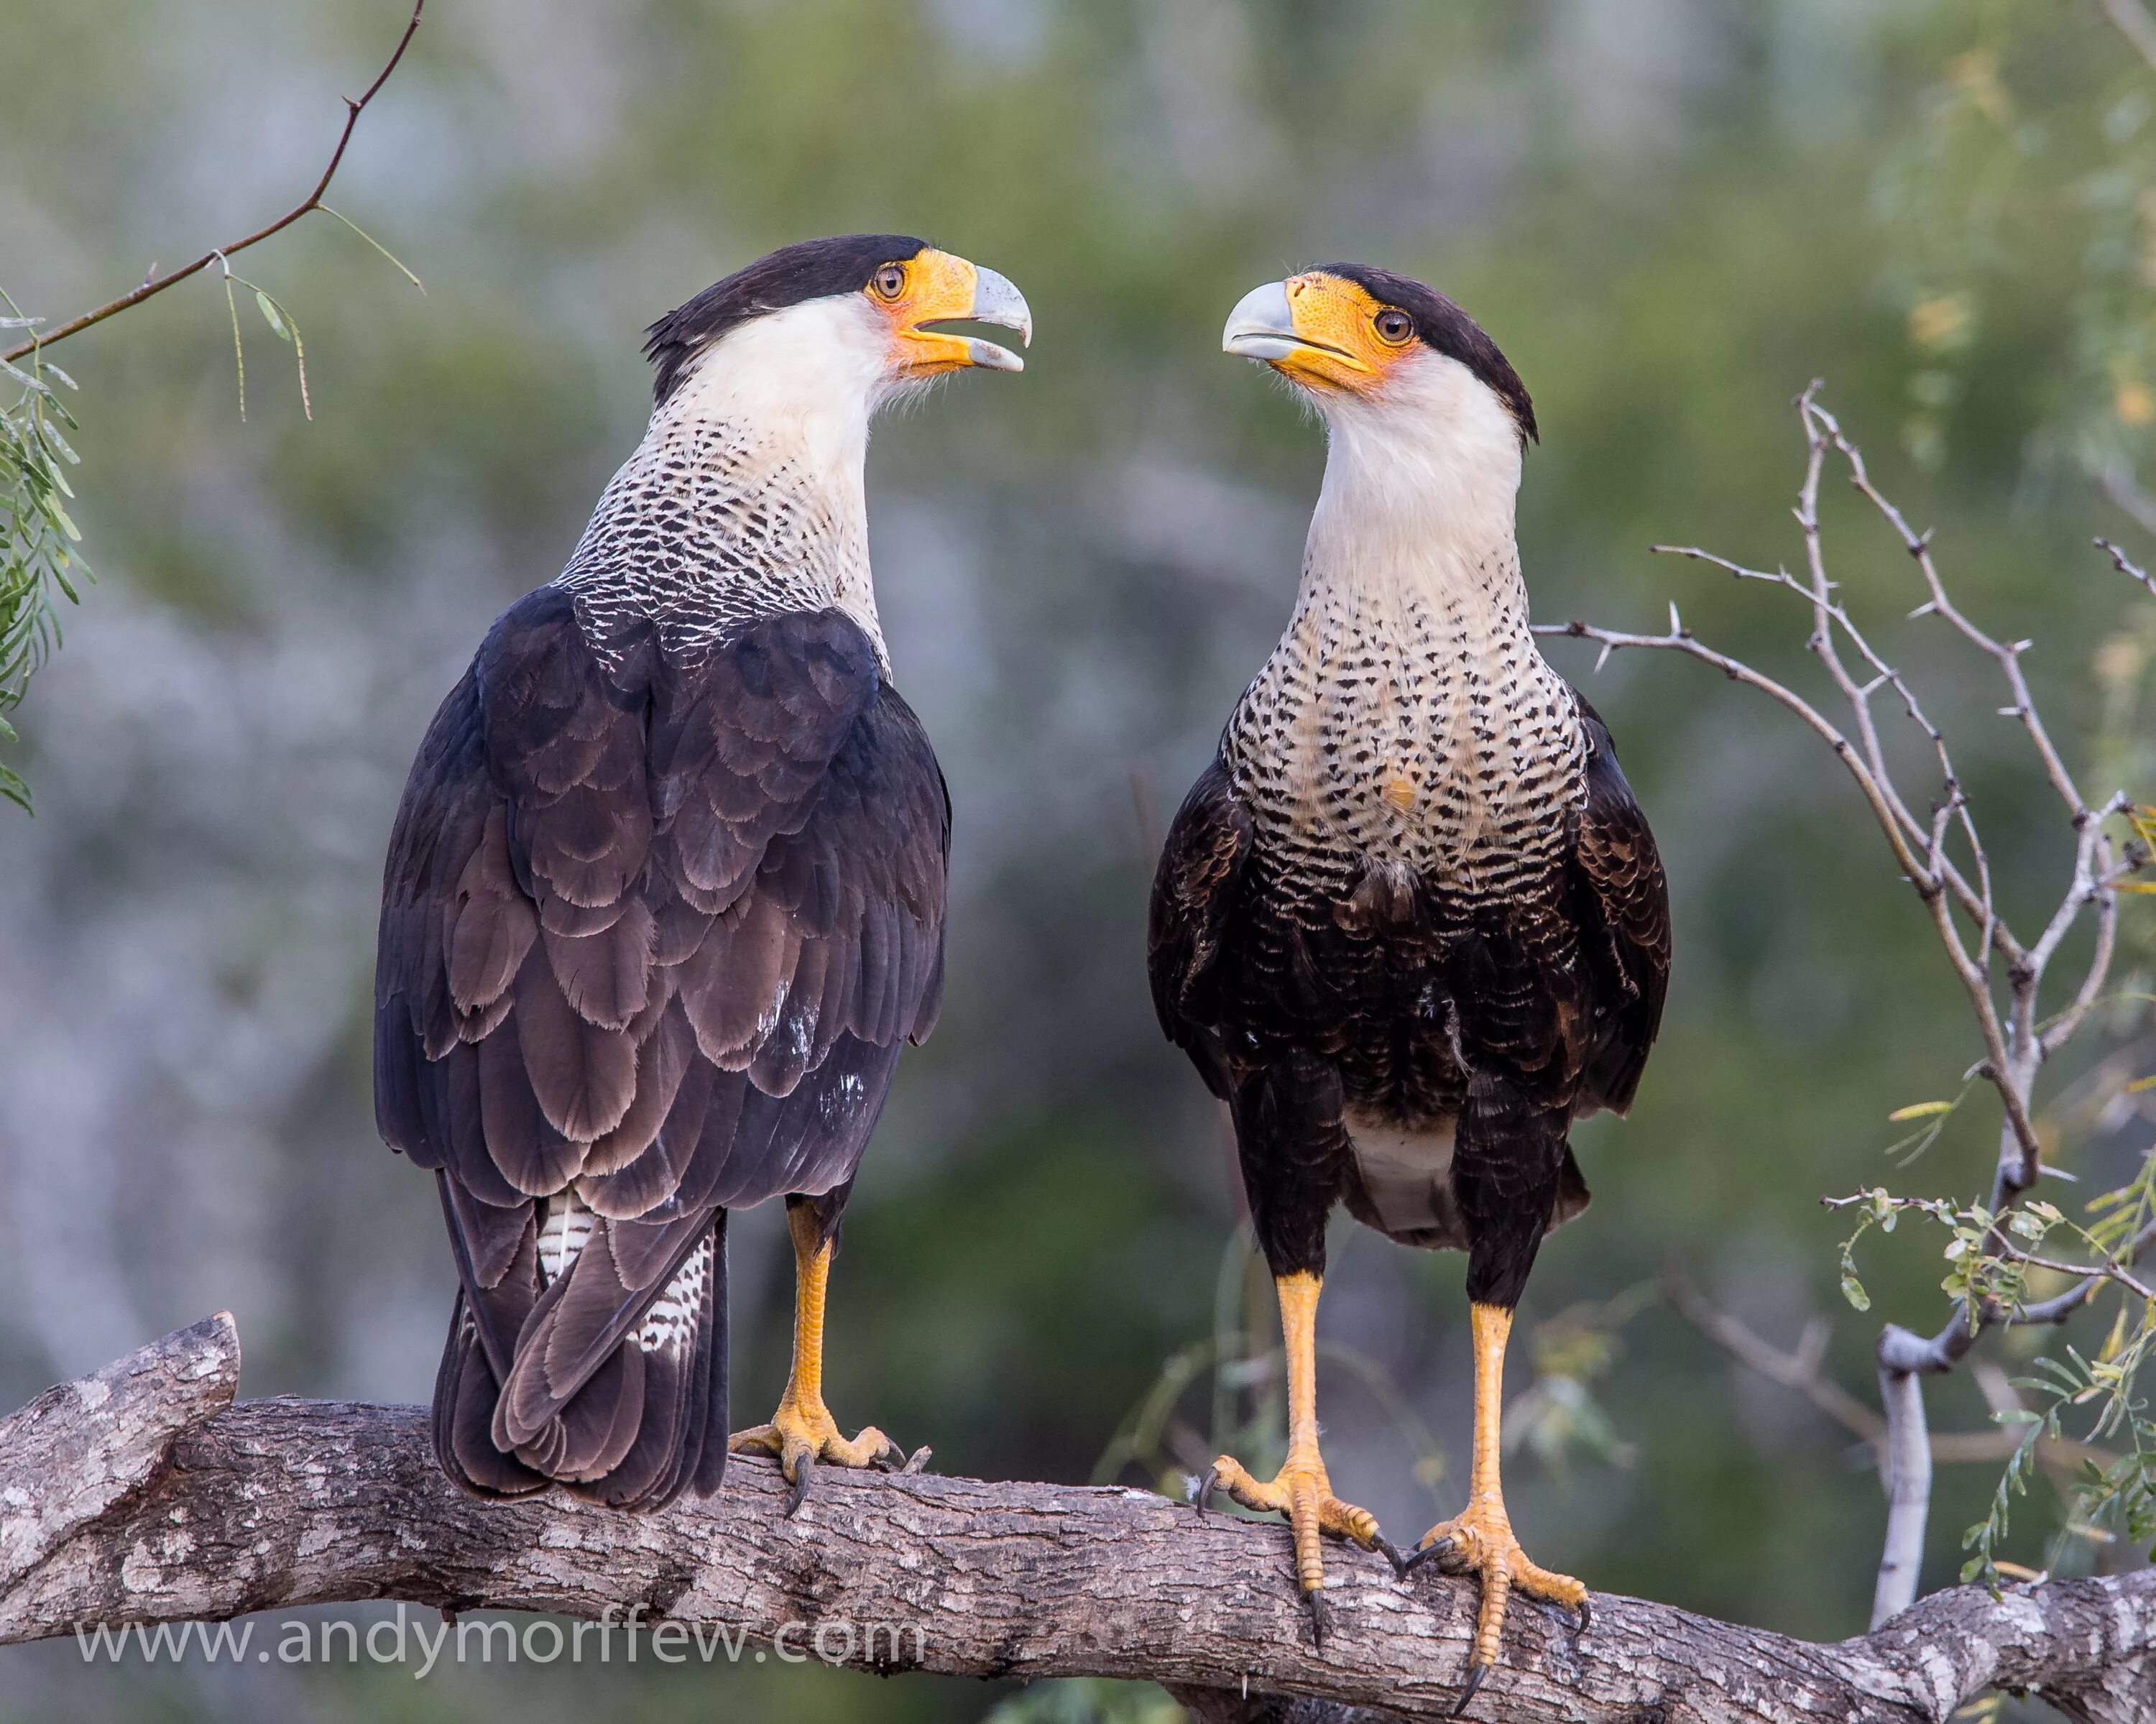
(1301, 1489)
(803, 1432)
(1480, 1536)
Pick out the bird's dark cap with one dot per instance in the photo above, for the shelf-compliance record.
(807, 269)
(1443, 326)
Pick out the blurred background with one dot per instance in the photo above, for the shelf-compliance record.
(1670, 213)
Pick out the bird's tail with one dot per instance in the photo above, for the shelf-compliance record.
(616, 1383)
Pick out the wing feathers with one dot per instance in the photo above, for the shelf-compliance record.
(582, 1074)
(606, 975)
(653, 929)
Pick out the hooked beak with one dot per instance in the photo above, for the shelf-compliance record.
(1262, 325)
(1279, 324)
(946, 288)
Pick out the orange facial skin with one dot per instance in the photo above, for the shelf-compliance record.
(1344, 350)
(1336, 321)
(933, 286)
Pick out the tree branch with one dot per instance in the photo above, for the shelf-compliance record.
(145, 1494)
(2016, 1045)
(354, 107)
(2127, 566)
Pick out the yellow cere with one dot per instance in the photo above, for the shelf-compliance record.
(1338, 319)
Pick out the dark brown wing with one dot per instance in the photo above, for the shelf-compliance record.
(1194, 898)
(654, 927)
(1622, 903)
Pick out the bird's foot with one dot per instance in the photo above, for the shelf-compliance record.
(1303, 1492)
(1479, 1539)
(803, 1435)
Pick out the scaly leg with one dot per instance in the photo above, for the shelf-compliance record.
(1301, 1489)
(1480, 1536)
(803, 1432)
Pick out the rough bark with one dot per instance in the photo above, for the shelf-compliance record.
(146, 1494)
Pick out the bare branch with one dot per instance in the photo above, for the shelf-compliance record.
(1908, 1492)
(1801, 1371)
(2016, 1045)
(2058, 1308)
(273, 1504)
(1975, 983)
(354, 107)
(1792, 1371)
(2126, 565)
(2007, 654)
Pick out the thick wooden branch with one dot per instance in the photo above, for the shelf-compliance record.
(146, 1494)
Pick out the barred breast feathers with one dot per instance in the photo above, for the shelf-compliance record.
(748, 494)
(1407, 718)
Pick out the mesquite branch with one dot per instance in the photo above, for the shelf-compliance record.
(354, 107)
(146, 1494)
(1941, 854)
(1801, 1370)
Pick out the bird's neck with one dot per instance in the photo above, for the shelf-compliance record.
(1406, 716)
(1415, 523)
(747, 497)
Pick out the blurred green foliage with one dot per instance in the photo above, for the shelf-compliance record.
(37, 568)
(1671, 214)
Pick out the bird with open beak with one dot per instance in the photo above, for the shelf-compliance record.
(1410, 923)
(665, 897)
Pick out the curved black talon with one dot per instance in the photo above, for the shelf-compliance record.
(892, 1459)
(1427, 1553)
(1321, 1617)
(1476, 1673)
(1586, 1615)
(806, 1466)
(1402, 1566)
(1205, 1489)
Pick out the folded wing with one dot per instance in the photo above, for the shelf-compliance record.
(654, 925)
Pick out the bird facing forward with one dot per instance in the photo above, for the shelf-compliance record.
(1410, 923)
(666, 894)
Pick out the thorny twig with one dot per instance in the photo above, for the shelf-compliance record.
(354, 107)
(1954, 892)
(2126, 565)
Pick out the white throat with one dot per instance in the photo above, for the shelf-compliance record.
(1406, 720)
(1419, 492)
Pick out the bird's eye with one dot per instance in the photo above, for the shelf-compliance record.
(890, 281)
(1394, 327)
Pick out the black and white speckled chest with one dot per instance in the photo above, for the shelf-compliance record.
(709, 527)
(1410, 725)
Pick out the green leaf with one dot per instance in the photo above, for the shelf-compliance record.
(269, 314)
(1919, 1111)
(375, 243)
(1852, 1290)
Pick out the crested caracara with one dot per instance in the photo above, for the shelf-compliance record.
(1410, 923)
(666, 895)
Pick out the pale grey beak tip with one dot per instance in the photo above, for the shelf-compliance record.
(996, 300)
(1262, 325)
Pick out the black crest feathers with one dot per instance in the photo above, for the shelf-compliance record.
(1446, 329)
(809, 269)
